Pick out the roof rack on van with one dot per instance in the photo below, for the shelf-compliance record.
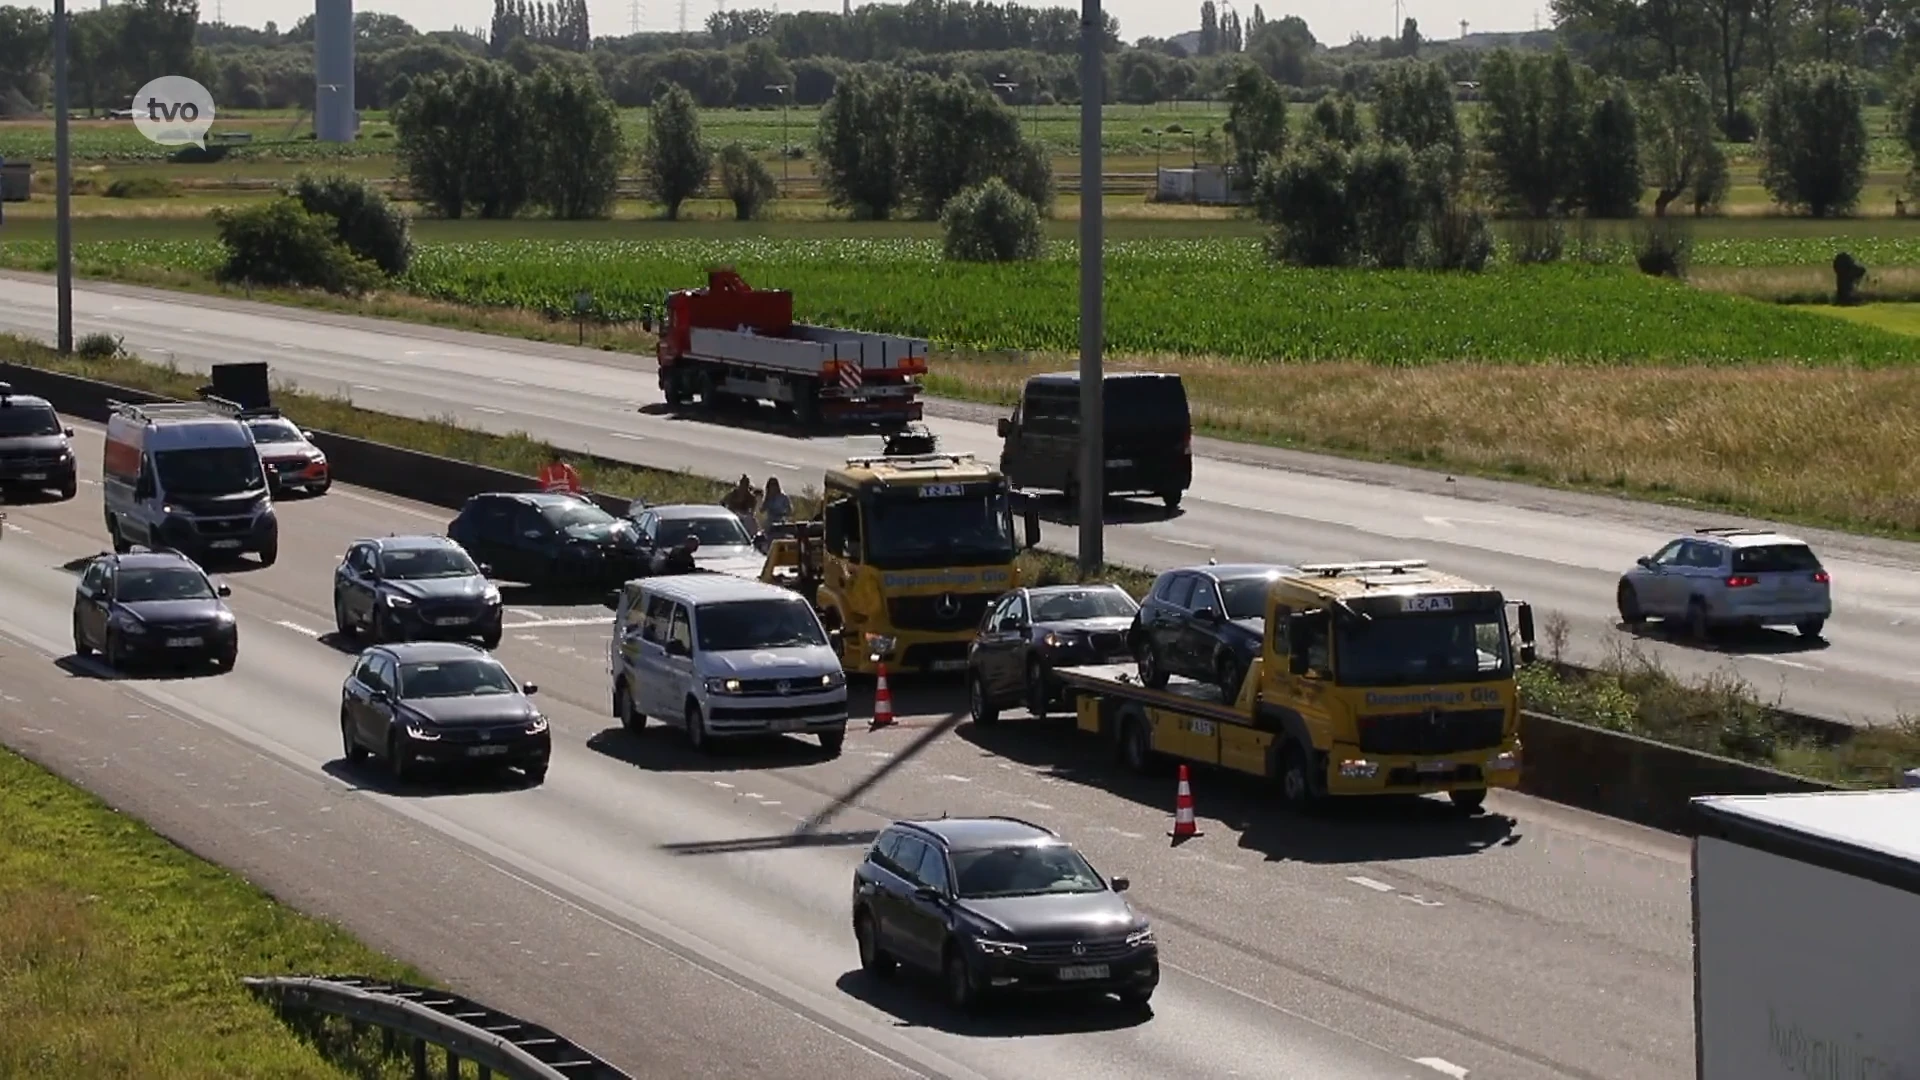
(1388, 566)
(158, 411)
(1729, 530)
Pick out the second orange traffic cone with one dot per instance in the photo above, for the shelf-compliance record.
(1184, 825)
(882, 700)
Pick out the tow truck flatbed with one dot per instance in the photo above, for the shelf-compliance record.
(1121, 682)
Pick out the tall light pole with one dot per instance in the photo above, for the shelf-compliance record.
(1093, 449)
(1008, 86)
(786, 144)
(62, 182)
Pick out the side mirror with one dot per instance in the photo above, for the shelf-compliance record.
(1005, 427)
(1645, 561)
(931, 895)
(1032, 522)
(307, 435)
(530, 689)
(68, 432)
(611, 601)
(382, 695)
(143, 489)
(1121, 884)
(486, 569)
(837, 641)
(1206, 615)
(1528, 653)
(223, 590)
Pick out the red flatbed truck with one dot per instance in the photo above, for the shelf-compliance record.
(730, 340)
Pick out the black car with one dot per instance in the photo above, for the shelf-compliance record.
(549, 538)
(1205, 623)
(36, 450)
(152, 606)
(406, 588)
(1029, 632)
(441, 703)
(1147, 435)
(998, 905)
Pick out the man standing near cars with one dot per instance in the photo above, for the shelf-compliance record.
(557, 475)
(675, 560)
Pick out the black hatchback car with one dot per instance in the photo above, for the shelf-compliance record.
(152, 606)
(1029, 632)
(549, 538)
(1204, 623)
(407, 588)
(998, 905)
(441, 703)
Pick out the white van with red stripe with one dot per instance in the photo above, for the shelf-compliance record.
(187, 476)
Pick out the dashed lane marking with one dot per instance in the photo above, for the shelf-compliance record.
(297, 628)
(1442, 1065)
(1369, 883)
(557, 624)
(489, 410)
(628, 435)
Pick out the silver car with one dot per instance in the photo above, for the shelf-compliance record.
(725, 545)
(1728, 577)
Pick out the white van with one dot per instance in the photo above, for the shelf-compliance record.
(187, 476)
(723, 657)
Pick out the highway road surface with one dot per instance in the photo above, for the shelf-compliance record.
(1563, 552)
(688, 916)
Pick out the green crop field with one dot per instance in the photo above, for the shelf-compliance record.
(1216, 297)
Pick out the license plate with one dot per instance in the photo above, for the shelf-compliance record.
(184, 642)
(453, 620)
(788, 724)
(33, 476)
(225, 544)
(486, 751)
(1120, 463)
(948, 665)
(1083, 971)
(1434, 766)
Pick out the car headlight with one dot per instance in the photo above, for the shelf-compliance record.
(1063, 640)
(128, 623)
(538, 725)
(999, 948)
(490, 595)
(1142, 936)
(421, 732)
(879, 645)
(224, 618)
(834, 680)
(723, 686)
(396, 600)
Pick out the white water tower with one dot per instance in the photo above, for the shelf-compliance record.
(334, 119)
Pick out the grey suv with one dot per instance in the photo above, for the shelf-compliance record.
(1727, 577)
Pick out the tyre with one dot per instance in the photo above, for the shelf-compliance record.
(1136, 746)
(1810, 628)
(116, 653)
(979, 704)
(225, 660)
(832, 741)
(80, 646)
(341, 624)
(697, 728)
(398, 764)
(1228, 675)
(269, 552)
(1172, 499)
(632, 720)
(491, 639)
(1136, 997)
(121, 545)
(1698, 627)
(1470, 801)
(1151, 673)
(69, 488)
(321, 487)
(1296, 780)
(536, 774)
(1628, 600)
(1038, 695)
(957, 980)
(874, 960)
(350, 747)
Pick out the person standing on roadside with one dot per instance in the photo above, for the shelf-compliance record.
(742, 500)
(776, 508)
(557, 475)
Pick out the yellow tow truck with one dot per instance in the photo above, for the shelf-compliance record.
(909, 550)
(1374, 678)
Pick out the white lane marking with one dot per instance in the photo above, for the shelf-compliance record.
(509, 382)
(15, 528)
(489, 411)
(782, 465)
(1038, 805)
(1184, 543)
(1453, 522)
(1125, 833)
(1416, 898)
(369, 389)
(544, 624)
(297, 628)
(1788, 663)
(534, 615)
(957, 779)
(1369, 883)
(628, 435)
(1442, 1065)
(723, 784)
(398, 508)
(284, 345)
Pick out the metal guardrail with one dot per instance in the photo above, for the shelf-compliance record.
(462, 1028)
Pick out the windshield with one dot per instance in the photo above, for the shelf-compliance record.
(454, 678)
(18, 420)
(161, 583)
(1775, 558)
(569, 515)
(412, 564)
(1029, 870)
(1405, 649)
(1245, 598)
(758, 624)
(908, 531)
(1082, 604)
(213, 470)
(717, 531)
(272, 431)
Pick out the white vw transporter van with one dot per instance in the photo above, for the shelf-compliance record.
(724, 657)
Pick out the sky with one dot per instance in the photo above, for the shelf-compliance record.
(1332, 21)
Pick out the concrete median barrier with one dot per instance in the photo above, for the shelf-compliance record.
(1607, 772)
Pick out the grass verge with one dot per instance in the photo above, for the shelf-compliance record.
(121, 954)
(1630, 693)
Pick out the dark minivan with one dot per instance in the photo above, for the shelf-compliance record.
(1149, 436)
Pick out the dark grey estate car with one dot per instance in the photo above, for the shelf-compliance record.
(998, 905)
(441, 703)
(152, 606)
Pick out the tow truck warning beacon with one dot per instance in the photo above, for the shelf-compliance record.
(173, 110)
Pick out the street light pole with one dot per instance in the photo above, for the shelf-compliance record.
(1093, 460)
(786, 142)
(62, 182)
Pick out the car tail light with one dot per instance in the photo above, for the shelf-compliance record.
(1741, 581)
(1820, 577)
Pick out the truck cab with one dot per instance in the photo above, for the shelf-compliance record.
(908, 552)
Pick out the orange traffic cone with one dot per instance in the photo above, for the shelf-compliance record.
(1183, 824)
(882, 701)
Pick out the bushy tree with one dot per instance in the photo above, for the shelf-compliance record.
(1611, 183)
(747, 181)
(958, 136)
(278, 243)
(1414, 105)
(1531, 129)
(861, 144)
(991, 222)
(1676, 137)
(675, 163)
(579, 144)
(1336, 118)
(1813, 139)
(1303, 195)
(366, 221)
(466, 142)
(1256, 124)
(1377, 204)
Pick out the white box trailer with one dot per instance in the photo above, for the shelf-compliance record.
(1806, 912)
